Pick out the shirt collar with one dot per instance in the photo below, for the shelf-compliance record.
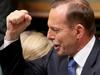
(83, 54)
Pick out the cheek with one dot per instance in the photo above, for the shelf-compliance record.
(65, 37)
(60, 38)
(68, 40)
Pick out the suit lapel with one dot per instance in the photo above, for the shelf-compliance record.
(91, 61)
(62, 66)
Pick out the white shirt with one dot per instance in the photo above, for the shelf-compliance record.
(6, 43)
(82, 55)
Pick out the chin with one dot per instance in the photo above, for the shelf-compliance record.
(61, 53)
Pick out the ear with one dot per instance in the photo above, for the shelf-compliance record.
(80, 30)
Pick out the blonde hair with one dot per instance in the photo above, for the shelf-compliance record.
(35, 45)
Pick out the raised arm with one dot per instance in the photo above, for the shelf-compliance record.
(11, 56)
(17, 22)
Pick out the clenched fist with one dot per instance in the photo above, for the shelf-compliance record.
(17, 22)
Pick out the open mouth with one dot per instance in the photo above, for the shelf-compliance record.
(57, 47)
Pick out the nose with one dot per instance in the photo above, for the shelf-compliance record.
(50, 35)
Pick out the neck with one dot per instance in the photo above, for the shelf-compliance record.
(83, 41)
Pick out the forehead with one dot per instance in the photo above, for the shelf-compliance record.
(58, 14)
(61, 8)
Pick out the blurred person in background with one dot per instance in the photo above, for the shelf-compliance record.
(35, 45)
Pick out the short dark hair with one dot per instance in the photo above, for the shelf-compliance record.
(79, 11)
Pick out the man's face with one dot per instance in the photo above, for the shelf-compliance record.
(63, 37)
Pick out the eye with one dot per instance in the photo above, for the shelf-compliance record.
(55, 29)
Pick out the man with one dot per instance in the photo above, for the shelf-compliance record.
(72, 30)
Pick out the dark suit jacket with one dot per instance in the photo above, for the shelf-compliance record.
(13, 63)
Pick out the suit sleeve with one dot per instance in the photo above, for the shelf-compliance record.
(11, 59)
(13, 63)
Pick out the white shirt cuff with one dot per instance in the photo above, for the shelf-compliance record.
(6, 43)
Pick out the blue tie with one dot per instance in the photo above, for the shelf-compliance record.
(72, 67)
